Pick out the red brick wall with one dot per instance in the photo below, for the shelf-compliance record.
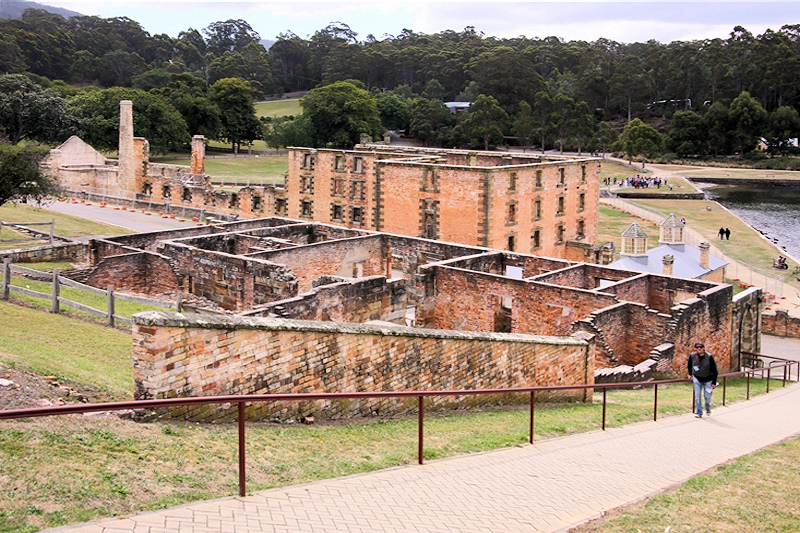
(350, 300)
(468, 300)
(140, 272)
(781, 324)
(336, 258)
(184, 355)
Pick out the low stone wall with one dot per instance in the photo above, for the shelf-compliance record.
(177, 355)
(77, 252)
(781, 324)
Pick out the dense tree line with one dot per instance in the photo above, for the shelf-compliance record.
(705, 97)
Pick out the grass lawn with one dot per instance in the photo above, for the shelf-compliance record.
(699, 173)
(72, 350)
(257, 170)
(65, 226)
(754, 493)
(279, 108)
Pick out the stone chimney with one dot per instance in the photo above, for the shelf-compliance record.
(127, 169)
(668, 261)
(198, 167)
(704, 253)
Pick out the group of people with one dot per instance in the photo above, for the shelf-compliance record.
(780, 262)
(640, 182)
(724, 233)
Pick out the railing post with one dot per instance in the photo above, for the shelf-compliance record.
(54, 303)
(604, 408)
(785, 366)
(655, 402)
(6, 277)
(724, 389)
(52, 230)
(242, 472)
(769, 375)
(748, 384)
(420, 428)
(110, 305)
(533, 410)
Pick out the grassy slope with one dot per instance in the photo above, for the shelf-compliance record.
(73, 350)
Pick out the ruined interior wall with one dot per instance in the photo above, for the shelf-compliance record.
(468, 300)
(349, 300)
(334, 258)
(190, 355)
(781, 324)
(232, 282)
(708, 319)
(140, 272)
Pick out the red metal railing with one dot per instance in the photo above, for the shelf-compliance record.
(240, 402)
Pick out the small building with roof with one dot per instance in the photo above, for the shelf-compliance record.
(672, 256)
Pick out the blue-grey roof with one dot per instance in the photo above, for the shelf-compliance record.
(686, 265)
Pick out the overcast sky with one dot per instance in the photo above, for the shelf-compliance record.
(620, 21)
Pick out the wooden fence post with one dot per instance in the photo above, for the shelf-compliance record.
(6, 277)
(110, 293)
(52, 229)
(55, 304)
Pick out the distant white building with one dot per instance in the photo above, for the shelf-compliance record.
(672, 257)
(457, 107)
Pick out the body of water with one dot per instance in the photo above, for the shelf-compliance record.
(772, 210)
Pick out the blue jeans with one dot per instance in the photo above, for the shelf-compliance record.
(701, 391)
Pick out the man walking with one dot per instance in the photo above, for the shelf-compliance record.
(703, 371)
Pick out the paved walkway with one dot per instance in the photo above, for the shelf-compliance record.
(550, 486)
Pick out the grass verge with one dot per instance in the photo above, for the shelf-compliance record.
(72, 350)
(754, 493)
(74, 469)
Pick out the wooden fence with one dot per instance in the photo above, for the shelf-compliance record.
(56, 300)
(35, 234)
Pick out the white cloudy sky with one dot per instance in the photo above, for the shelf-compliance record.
(663, 21)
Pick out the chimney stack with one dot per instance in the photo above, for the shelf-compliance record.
(704, 254)
(125, 174)
(668, 261)
(198, 167)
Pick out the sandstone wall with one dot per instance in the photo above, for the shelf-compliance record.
(193, 355)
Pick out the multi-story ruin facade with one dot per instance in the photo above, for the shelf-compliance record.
(516, 202)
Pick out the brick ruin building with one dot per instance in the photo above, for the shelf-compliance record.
(527, 203)
(366, 286)
(292, 287)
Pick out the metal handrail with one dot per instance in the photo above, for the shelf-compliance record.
(241, 400)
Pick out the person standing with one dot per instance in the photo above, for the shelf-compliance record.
(727, 234)
(703, 370)
(721, 233)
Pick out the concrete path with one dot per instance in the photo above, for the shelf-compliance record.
(549, 486)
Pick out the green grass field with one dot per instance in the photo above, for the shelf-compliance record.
(72, 350)
(279, 108)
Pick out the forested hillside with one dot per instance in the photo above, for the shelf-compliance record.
(720, 86)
